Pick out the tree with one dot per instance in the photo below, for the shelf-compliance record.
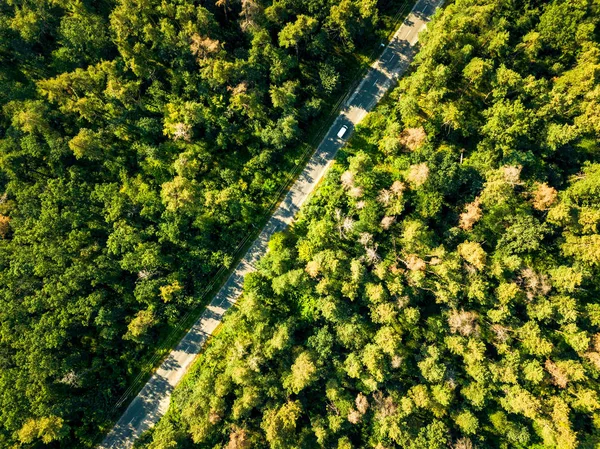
(48, 429)
(87, 145)
(470, 216)
(303, 372)
(279, 424)
(284, 96)
(544, 197)
(347, 17)
(139, 326)
(473, 253)
(435, 286)
(467, 422)
(330, 78)
(293, 34)
(178, 194)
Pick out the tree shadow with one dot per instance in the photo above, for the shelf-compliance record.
(143, 412)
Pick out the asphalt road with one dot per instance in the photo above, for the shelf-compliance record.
(153, 400)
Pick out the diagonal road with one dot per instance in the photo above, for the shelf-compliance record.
(153, 400)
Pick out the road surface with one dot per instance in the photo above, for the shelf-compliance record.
(153, 400)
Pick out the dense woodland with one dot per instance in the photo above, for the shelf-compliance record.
(140, 140)
(441, 289)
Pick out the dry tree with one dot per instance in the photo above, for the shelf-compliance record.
(182, 131)
(536, 284)
(413, 138)
(512, 174)
(387, 222)
(347, 179)
(362, 403)
(462, 322)
(356, 192)
(365, 238)
(372, 256)
(384, 197)
(470, 216)
(398, 187)
(414, 263)
(544, 196)
(418, 174)
(348, 224)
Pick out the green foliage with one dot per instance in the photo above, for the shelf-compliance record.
(441, 287)
(140, 141)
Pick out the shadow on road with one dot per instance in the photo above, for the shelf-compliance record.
(142, 413)
(427, 7)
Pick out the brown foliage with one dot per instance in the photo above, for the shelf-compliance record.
(214, 417)
(313, 268)
(241, 88)
(398, 187)
(463, 443)
(238, 439)
(418, 174)
(412, 138)
(362, 403)
(386, 222)
(535, 283)
(354, 416)
(544, 196)
(593, 355)
(512, 174)
(594, 358)
(384, 406)
(559, 377)
(415, 263)
(203, 47)
(465, 323)
(397, 361)
(470, 216)
(596, 342)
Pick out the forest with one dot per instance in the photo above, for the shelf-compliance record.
(140, 140)
(441, 288)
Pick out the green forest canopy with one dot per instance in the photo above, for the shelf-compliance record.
(441, 289)
(139, 141)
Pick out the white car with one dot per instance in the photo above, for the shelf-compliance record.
(342, 131)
